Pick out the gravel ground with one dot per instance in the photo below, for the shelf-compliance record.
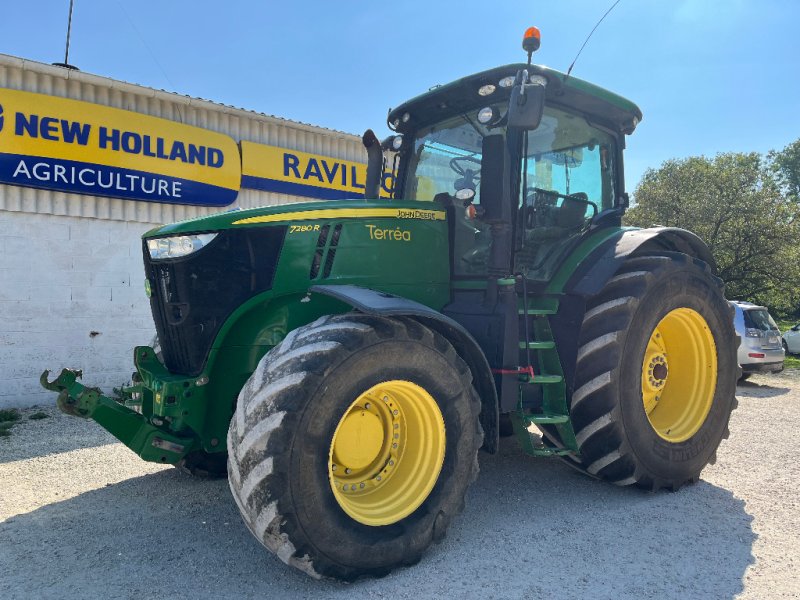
(82, 517)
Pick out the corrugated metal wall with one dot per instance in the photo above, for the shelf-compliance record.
(19, 74)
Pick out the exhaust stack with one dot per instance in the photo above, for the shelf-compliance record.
(374, 164)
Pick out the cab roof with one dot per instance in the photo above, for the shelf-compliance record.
(461, 95)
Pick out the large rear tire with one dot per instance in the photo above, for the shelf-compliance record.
(656, 374)
(353, 444)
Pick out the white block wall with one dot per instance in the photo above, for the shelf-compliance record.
(71, 295)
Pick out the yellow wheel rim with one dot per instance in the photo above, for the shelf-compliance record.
(387, 452)
(679, 375)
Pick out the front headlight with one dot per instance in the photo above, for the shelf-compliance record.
(181, 245)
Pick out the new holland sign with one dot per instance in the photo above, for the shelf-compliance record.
(72, 146)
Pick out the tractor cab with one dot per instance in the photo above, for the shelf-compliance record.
(547, 179)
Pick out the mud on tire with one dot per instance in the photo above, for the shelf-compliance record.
(615, 436)
(286, 416)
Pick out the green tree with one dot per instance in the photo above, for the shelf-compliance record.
(736, 204)
(786, 167)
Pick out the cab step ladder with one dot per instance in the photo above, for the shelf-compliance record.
(538, 351)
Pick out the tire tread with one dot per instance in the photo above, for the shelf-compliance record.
(258, 454)
(604, 451)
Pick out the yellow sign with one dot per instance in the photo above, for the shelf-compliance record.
(285, 171)
(72, 146)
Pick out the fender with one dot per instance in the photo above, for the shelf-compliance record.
(379, 303)
(597, 266)
(604, 261)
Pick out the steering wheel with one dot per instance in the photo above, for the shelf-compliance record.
(454, 164)
(552, 194)
(544, 201)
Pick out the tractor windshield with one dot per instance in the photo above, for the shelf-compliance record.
(566, 176)
(569, 157)
(446, 158)
(565, 155)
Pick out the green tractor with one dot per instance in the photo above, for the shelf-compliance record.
(345, 361)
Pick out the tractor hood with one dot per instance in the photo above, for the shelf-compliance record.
(302, 212)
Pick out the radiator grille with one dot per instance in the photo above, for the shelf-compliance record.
(193, 296)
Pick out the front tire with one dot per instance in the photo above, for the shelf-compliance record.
(656, 374)
(353, 444)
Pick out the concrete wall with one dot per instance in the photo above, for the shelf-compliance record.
(71, 295)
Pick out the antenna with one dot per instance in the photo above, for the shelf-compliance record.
(587, 39)
(69, 34)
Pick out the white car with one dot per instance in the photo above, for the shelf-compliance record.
(760, 348)
(791, 340)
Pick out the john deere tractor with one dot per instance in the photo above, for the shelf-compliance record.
(345, 361)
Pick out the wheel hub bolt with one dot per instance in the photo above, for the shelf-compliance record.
(378, 478)
(347, 471)
(367, 406)
(333, 467)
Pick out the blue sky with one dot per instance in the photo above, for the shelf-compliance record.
(709, 75)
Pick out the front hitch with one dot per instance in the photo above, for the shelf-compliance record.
(73, 398)
(148, 437)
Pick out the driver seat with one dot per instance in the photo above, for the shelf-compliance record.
(572, 212)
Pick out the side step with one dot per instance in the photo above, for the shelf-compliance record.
(538, 349)
(543, 379)
(532, 444)
(546, 419)
(537, 345)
